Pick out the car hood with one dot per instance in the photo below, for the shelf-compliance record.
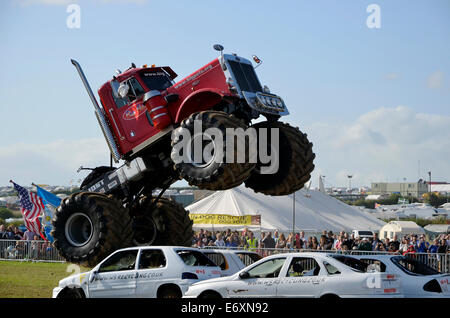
(74, 280)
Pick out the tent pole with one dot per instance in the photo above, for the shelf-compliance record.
(293, 212)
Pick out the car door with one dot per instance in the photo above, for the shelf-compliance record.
(151, 273)
(302, 279)
(115, 277)
(260, 280)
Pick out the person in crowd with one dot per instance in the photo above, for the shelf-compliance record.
(330, 238)
(268, 241)
(404, 245)
(395, 243)
(380, 247)
(392, 250)
(422, 245)
(233, 240)
(443, 247)
(434, 247)
(2, 231)
(348, 241)
(411, 250)
(10, 235)
(303, 238)
(261, 239)
(340, 243)
(414, 241)
(375, 241)
(309, 243)
(28, 235)
(18, 233)
(281, 243)
(219, 242)
(276, 236)
(323, 243)
(299, 242)
(365, 245)
(314, 243)
(252, 242)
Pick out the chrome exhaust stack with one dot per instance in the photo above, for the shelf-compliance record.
(99, 115)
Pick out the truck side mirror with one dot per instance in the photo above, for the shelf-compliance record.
(123, 89)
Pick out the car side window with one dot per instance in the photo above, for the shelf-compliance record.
(218, 259)
(268, 269)
(331, 270)
(248, 258)
(151, 259)
(303, 266)
(374, 265)
(194, 258)
(121, 261)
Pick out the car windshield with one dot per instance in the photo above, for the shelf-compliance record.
(194, 258)
(156, 80)
(351, 262)
(413, 267)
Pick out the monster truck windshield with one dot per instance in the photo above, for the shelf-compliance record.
(156, 80)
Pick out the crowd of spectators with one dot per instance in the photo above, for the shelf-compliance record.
(328, 241)
(23, 245)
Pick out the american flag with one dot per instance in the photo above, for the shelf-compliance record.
(32, 208)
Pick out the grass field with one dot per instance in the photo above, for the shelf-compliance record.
(31, 279)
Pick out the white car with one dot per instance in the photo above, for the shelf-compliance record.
(318, 275)
(416, 279)
(146, 271)
(231, 261)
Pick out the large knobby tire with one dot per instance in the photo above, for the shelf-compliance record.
(214, 172)
(88, 226)
(167, 218)
(295, 162)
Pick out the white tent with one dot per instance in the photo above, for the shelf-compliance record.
(315, 211)
(400, 228)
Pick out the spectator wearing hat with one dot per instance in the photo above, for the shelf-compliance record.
(365, 245)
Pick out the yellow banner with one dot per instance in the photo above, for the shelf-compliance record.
(225, 219)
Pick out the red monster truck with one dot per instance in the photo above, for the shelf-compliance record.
(149, 122)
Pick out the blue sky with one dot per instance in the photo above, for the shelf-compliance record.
(375, 102)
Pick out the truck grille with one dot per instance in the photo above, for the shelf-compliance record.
(245, 77)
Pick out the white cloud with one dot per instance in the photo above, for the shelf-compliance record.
(435, 80)
(382, 145)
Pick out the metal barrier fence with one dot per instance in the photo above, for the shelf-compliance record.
(29, 251)
(44, 251)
